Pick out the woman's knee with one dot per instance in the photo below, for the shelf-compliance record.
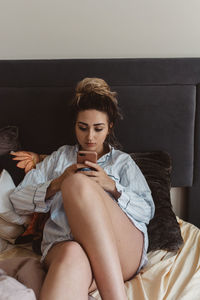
(78, 188)
(70, 257)
(75, 182)
(66, 252)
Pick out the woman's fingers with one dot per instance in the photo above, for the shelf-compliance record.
(23, 163)
(93, 165)
(27, 160)
(29, 166)
(89, 173)
(22, 157)
(80, 166)
(19, 153)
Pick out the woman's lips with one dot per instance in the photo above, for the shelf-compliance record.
(90, 144)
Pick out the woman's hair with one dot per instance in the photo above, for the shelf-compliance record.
(95, 93)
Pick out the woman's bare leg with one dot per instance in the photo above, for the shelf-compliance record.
(105, 233)
(69, 273)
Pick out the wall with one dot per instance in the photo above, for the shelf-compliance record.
(99, 29)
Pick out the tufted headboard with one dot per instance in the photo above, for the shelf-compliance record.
(159, 100)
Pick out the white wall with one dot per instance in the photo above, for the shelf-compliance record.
(179, 202)
(99, 29)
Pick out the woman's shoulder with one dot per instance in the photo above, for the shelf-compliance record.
(58, 157)
(65, 149)
(62, 151)
(123, 157)
(121, 154)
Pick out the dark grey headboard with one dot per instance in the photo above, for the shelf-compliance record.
(159, 99)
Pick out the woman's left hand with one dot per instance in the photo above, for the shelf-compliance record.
(27, 160)
(99, 176)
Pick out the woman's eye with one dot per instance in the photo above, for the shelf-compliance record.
(83, 128)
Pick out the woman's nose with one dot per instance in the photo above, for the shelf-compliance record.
(90, 135)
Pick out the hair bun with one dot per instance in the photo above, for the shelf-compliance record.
(93, 85)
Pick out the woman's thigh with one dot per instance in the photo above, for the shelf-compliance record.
(129, 239)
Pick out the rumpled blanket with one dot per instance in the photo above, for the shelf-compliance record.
(27, 271)
(11, 289)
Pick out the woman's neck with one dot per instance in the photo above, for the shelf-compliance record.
(105, 150)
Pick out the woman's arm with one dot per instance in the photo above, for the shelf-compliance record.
(53, 188)
(35, 192)
(135, 192)
(30, 195)
(28, 160)
(55, 184)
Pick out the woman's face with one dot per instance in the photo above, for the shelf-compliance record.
(91, 130)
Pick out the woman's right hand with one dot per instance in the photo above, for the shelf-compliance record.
(71, 170)
(27, 160)
(56, 183)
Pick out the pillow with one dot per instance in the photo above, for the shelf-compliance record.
(11, 224)
(164, 231)
(7, 212)
(9, 141)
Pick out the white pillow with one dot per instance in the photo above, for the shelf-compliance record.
(7, 211)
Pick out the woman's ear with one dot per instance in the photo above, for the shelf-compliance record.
(110, 128)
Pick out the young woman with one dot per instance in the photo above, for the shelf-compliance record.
(96, 236)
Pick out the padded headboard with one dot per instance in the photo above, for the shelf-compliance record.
(159, 100)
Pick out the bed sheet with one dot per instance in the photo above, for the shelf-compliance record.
(167, 275)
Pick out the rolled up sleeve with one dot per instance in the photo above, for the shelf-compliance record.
(30, 195)
(135, 196)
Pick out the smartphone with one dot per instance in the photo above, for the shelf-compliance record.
(82, 156)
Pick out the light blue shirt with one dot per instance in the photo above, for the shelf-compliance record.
(135, 199)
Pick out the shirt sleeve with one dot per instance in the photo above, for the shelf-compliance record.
(29, 195)
(135, 196)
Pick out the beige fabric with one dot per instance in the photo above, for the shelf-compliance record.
(10, 231)
(27, 270)
(24, 250)
(11, 289)
(169, 276)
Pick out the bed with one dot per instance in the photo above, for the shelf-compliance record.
(160, 101)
